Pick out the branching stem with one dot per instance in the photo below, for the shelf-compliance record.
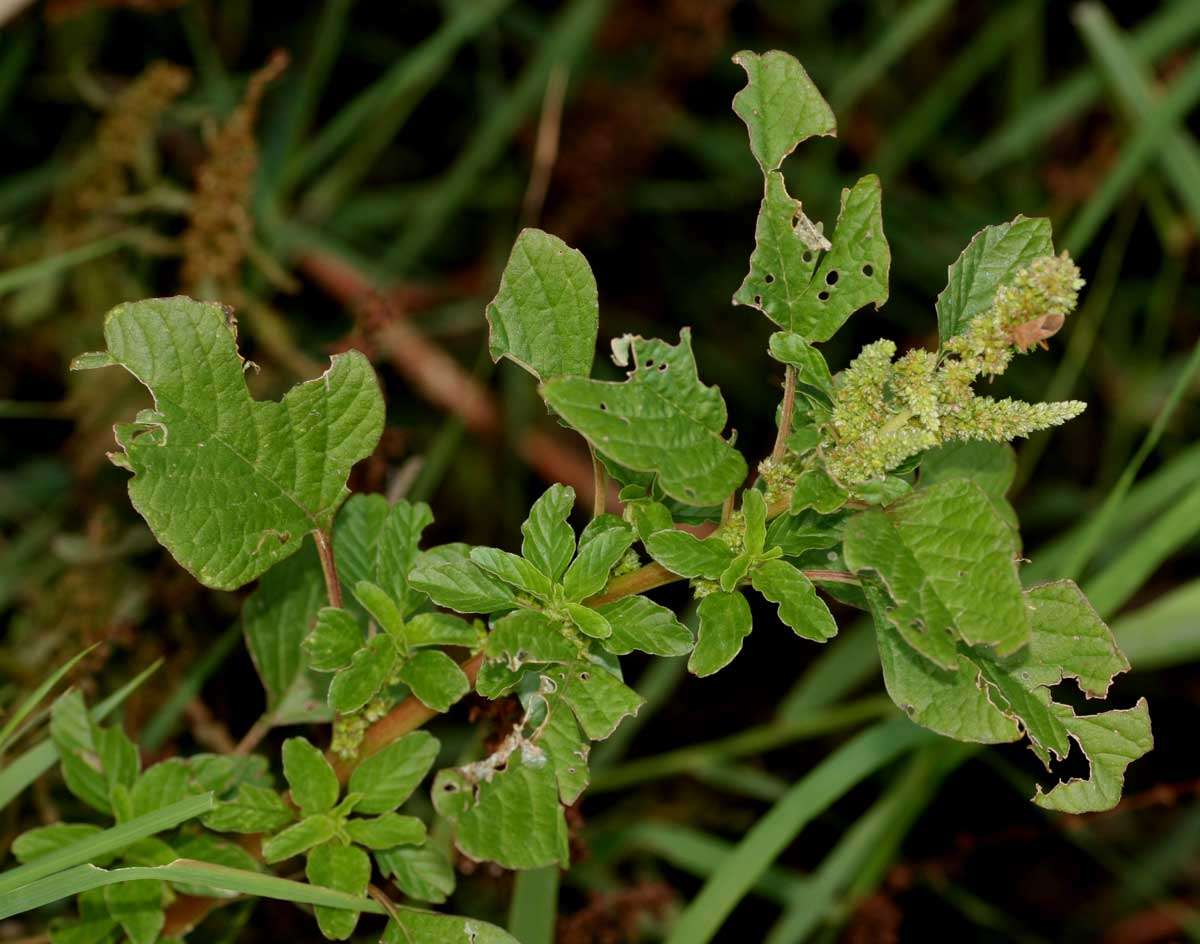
(333, 587)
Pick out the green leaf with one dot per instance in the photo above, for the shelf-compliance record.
(255, 810)
(803, 291)
(137, 907)
(648, 516)
(43, 840)
(228, 484)
(386, 831)
(454, 581)
(641, 624)
(378, 542)
(601, 546)
(1069, 640)
(661, 419)
(513, 570)
(991, 466)
(442, 629)
(119, 760)
(165, 783)
(276, 618)
(74, 737)
(356, 538)
(799, 606)
(549, 541)
(566, 747)
(924, 548)
(387, 778)
(724, 622)
(816, 490)
(529, 636)
(806, 531)
(205, 847)
(313, 782)
(780, 105)
(346, 869)
(545, 315)
(512, 817)
(334, 640)
(689, 556)
(588, 621)
(429, 928)
(597, 697)
(310, 832)
(380, 607)
(435, 678)
(94, 925)
(811, 368)
(496, 679)
(754, 515)
(993, 257)
(421, 872)
(736, 571)
(366, 674)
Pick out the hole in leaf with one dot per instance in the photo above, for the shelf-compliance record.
(662, 366)
(604, 406)
(501, 767)
(823, 296)
(769, 278)
(449, 787)
(584, 676)
(650, 363)
(868, 270)
(807, 257)
(832, 277)
(758, 299)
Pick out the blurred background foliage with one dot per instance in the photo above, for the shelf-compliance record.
(352, 174)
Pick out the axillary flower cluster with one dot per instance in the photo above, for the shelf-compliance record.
(887, 410)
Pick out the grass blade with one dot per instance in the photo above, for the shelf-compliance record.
(534, 907)
(843, 769)
(30, 703)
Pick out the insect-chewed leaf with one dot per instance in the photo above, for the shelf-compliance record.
(529, 636)
(725, 621)
(799, 606)
(229, 484)
(511, 817)
(435, 678)
(780, 106)
(948, 560)
(993, 257)
(545, 315)
(802, 290)
(641, 624)
(388, 778)
(661, 419)
(567, 749)
(597, 697)
(346, 868)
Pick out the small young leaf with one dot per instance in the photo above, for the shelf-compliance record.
(689, 556)
(73, 734)
(799, 606)
(137, 907)
(641, 624)
(454, 581)
(381, 607)
(435, 678)
(388, 778)
(648, 517)
(661, 419)
(167, 782)
(993, 257)
(386, 831)
(442, 629)
(513, 570)
(545, 315)
(255, 810)
(812, 370)
(119, 759)
(597, 697)
(736, 571)
(549, 542)
(43, 840)
(529, 636)
(816, 490)
(780, 105)
(600, 549)
(310, 832)
(366, 674)
(421, 872)
(724, 622)
(334, 640)
(208, 448)
(588, 621)
(754, 514)
(347, 869)
(313, 782)
(806, 531)
(356, 539)
(398, 542)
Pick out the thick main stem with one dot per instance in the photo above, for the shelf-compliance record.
(333, 586)
(785, 413)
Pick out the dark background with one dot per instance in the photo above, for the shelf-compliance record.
(391, 239)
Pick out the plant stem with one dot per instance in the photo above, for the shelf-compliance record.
(333, 586)
(599, 484)
(785, 413)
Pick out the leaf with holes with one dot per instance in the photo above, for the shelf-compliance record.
(661, 419)
(230, 485)
(545, 315)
